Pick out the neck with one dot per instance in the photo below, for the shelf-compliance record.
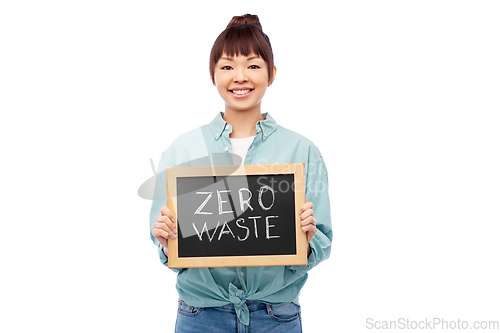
(243, 122)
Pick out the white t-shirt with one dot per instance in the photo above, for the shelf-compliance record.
(240, 148)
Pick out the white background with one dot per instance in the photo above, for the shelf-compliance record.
(401, 98)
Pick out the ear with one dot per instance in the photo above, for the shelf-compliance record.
(273, 76)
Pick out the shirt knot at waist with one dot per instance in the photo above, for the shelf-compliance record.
(237, 297)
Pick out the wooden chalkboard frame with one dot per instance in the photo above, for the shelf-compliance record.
(297, 169)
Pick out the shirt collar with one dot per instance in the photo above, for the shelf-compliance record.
(266, 127)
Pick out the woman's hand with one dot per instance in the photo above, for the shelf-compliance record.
(164, 228)
(308, 222)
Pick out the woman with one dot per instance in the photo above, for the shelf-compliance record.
(235, 299)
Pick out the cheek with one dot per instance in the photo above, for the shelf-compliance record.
(221, 81)
(218, 85)
(222, 91)
(262, 79)
(262, 84)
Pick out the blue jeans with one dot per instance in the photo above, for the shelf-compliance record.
(263, 318)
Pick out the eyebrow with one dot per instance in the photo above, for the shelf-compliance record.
(231, 59)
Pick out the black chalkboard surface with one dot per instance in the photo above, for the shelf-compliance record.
(237, 216)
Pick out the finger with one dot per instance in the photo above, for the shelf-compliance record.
(310, 229)
(170, 230)
(306, 206)
(166, 222)
(171, 226)
(166, 212)
(157, 227)
(160, 233)
(161, 225)
(162, 219)
(306, 214)
(308, 221)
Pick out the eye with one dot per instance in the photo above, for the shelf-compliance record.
(254, 67)
(226, 68)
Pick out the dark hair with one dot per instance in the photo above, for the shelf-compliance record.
(243, 36)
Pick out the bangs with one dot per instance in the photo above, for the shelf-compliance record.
(241, 40)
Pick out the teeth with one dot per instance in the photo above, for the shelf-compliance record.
(241, 92)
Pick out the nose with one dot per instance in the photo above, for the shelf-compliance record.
(240, 76)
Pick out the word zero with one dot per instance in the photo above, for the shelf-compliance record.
(243, 201)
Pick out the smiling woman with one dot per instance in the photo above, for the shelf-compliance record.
(244, 38)
(242, 67)
(232, 299)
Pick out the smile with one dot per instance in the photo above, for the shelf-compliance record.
(241, 93)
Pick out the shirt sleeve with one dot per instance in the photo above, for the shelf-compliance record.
(160, 198)
(316, 179)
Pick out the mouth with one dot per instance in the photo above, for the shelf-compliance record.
(241, 93)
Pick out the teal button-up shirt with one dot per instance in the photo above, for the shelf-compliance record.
(210, 145)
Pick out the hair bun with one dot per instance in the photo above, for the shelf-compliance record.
(247, 19)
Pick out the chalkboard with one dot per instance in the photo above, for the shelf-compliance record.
(237, 215)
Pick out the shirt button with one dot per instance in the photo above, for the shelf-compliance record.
(242, 274)
(226, 149)
(265, 134)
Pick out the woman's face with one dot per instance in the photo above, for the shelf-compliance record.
(241, 81)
